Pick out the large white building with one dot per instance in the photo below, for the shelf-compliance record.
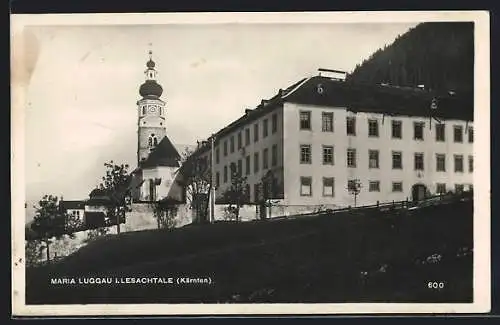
(315, 139)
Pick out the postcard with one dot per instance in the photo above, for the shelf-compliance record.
(250, 163)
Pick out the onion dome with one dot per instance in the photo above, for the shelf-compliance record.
(150, 88)
(150, 64)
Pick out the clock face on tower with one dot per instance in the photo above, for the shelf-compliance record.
(152, 108)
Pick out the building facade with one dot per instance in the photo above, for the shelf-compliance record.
(312, 143)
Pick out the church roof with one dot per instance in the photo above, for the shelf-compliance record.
(74, 205)
(165, 154)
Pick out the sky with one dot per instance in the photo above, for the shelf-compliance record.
(84, 84)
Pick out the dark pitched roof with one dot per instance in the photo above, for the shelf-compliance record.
(355, 96)
(65, 205)
(383, 99)
(164, 154)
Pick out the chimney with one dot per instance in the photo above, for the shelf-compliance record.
(332, 74)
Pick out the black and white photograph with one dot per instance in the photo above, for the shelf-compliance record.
(250, 163)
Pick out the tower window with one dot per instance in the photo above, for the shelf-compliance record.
(143, 110)
(152, 141)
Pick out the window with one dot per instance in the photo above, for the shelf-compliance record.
(255, 132)
(240, 167)
(459, 188)
(256, 192)
(397, 127)
(459, 163)
(274, 155)
(373, 159)
(306, 186)
(225, 174)
(152, 141)
(328, 186)
(225, 148)
(372, 128)
(374, 186)
(247, 137)
(351, 157)
(327, 122)
(440, 188)
(327, 155)
(305, 154)
(418, 130)
(397, 160)
(247, 165)
(217, 155)
(240, 143)
(440, 162)
(217, 179)
(232, 170)
(274, 123)
(256, 162)
(351, 125)
(440, 132)
(419, 161)
(231, 144)
(265, 128)
(305, 120)
(471, 134)
(397, 186)
(143, 110)
(457, 133)
(471, 164)
(265, 159)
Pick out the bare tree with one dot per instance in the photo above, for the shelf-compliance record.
(197, 181)
(165, 214)
(237, 194)
(354, 187)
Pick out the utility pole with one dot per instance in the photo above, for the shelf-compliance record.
(212, 176)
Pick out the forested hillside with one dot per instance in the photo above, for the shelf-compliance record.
(438, 55)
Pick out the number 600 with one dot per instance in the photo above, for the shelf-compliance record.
(435, 285)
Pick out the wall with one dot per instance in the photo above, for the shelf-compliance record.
(167, 187)
(259, 146)
(294, 137)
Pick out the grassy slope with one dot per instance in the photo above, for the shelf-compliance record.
(311, 259)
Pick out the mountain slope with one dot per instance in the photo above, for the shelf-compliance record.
(439, 55)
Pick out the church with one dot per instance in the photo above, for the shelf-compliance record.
(158, 161)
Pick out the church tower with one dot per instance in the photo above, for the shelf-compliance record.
(151, 113)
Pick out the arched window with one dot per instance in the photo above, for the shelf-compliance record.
(152, 141)
(143, 110)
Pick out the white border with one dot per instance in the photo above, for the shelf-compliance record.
(482, 273)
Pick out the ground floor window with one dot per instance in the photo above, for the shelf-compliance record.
(306, 186)
(440, 188)
(328, 185)
(374, 186)
(397, 186)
